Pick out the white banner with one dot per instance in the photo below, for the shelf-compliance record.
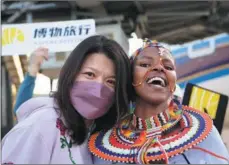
(56, 36)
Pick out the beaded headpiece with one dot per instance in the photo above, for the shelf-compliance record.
(152, 43)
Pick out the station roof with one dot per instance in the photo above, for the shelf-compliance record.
(172, 22)
(168, 21)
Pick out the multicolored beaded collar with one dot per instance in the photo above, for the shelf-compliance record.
(152, 141)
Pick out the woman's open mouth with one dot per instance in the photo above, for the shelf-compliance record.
(157, 81)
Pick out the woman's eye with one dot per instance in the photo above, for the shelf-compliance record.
(145, 65)
(111, 82)
(89, 74)
(169, 68)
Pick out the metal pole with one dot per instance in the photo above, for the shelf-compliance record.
(29, 17)
(51, 83)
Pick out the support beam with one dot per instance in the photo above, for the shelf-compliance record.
(139, 6)
(142, 22)
(88, 4)
(178, 31)
(29, 17)
(89, 14)
(117, 18)
(167, 14)
(214, 7)
(73, 10)
(179, 7)
(35, 7)
(73, 13)
(213, 29)
(157, 20)
(19, 13)
(170, 26)
(3, 7)
(19, 5)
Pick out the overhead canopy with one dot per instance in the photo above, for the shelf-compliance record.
(170, 22)
(165, 21)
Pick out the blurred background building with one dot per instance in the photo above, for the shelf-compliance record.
(196, 32)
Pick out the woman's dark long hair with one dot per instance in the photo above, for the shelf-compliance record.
(133, 92)
(74, 121)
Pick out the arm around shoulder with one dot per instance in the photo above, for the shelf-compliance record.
(25, 145)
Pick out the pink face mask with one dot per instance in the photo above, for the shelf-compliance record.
(91, 99)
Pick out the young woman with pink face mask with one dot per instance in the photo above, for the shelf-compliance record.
(92, 95)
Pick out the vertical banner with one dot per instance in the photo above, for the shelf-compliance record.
(56, 36)
(205, 100)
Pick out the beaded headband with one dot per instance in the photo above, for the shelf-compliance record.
(152, 43)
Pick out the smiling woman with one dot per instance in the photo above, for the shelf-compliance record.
(155, 74)
(160, 130)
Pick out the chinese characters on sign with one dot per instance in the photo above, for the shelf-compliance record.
(56, 36)
(58, 32)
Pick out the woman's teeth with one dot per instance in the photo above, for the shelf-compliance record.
(156, 81)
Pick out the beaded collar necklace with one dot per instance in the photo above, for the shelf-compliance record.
(151, 144)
